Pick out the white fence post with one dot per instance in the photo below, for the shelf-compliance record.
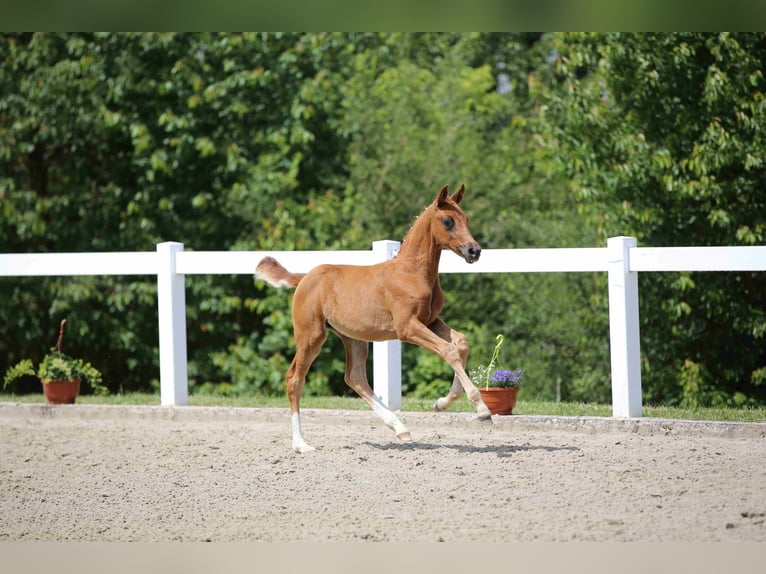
(171, 306)
(387, 355)
(624, 329)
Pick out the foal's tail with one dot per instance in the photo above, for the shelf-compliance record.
(274, 274)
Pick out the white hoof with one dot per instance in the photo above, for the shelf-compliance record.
(483, 413)
(441, 405)
(303, 448)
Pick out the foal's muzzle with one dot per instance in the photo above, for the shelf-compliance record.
(470, 252)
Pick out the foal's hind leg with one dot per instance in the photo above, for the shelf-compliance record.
(356, 378)
(308, 342)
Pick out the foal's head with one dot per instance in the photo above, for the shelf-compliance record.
(449, 225)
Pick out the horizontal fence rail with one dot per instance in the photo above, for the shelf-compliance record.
(63, 264)
(621, 259)
(528, 261)
(698, 258)
(244, 262)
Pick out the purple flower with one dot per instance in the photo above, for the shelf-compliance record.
(506, 377)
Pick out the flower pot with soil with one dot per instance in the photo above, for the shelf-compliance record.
(499, 388)
(59, 374)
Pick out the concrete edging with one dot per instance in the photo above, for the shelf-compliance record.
(588, 425)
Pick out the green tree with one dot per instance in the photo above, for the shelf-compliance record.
(329, 141)
(663, 135)
(119, 141)
(433, 119)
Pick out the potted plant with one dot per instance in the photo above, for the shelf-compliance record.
(499, 387)
(60, 374)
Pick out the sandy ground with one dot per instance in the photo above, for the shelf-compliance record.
(89, 473)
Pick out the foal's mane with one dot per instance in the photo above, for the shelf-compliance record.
(416, 220)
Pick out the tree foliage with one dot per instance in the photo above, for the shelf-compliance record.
(663, 134)
(115, 142)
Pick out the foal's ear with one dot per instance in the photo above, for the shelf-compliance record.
(457, 197)
(442, 197)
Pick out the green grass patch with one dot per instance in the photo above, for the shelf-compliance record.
(523, 407)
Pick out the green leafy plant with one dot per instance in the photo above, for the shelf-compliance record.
(57, 366)
(489, 376)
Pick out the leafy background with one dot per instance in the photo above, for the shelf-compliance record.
(115, 142)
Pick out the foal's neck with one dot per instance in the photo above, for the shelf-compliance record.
(419, 252)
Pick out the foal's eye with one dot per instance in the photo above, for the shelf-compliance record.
(448, 223)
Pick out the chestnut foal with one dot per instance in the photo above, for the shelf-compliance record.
(396, 299)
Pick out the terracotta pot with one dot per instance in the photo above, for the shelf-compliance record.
(500, 401)
(61, 392)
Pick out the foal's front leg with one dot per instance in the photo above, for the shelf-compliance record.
(461, 343)
(417, 333)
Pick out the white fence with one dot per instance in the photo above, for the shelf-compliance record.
(620, 259)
